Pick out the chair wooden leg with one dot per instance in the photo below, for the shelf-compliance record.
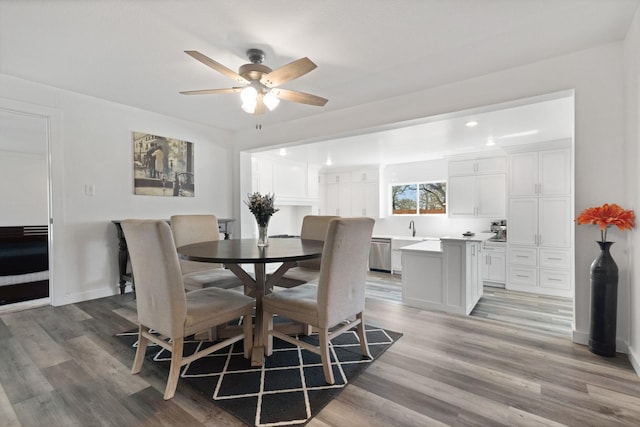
(267, 327)
(362, 335)
(323, 334)
(174, 370)
(247, 325)
(140, 352)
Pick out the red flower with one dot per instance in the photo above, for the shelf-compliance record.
(607, 215)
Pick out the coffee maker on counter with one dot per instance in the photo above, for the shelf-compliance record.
(500, 228)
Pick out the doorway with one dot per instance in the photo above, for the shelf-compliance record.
(24, 223)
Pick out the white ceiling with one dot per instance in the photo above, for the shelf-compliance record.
(528, 122)
(131, 51)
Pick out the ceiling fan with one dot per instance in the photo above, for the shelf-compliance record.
(260, 90)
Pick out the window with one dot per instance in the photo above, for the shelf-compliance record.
(419, 199)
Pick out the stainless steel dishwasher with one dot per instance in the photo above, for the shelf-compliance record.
(380, 254)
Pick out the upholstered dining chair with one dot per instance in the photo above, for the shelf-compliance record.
(338, 295)
(188, 229)
(314, 227)
(164, 306)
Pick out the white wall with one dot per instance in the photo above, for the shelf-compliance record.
(597, 77)
(91, 144)
(632, 89)
(426, 225)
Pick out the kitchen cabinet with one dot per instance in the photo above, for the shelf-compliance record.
(540, 173)
(474, 275)
(353, 193)
(337, 194)
(396, 255)
(481, 196)
(540, 223)
(365, 194)
(494, 264)
(445, 277)
(291, 181)
(544, 222)
(490, 165)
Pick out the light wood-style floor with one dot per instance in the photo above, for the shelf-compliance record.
(63, 367)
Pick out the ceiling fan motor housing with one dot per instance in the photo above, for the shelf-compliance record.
(253, 71)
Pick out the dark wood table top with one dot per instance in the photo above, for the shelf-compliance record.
(247, 251)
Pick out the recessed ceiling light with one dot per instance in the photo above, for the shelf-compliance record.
(329, 162)
(471, 123)
(283, 151)
(490, 142)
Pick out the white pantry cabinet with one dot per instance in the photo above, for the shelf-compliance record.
(540, 222)
(351, 193)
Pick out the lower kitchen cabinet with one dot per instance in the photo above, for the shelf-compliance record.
(494, 264)
(447, 279)
(540, 270)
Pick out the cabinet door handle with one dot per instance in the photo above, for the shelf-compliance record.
(555, 259)
(521, 275)
(521, 256)
(551, 279)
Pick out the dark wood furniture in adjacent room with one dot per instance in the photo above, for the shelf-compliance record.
(24, 263)
(124, 273)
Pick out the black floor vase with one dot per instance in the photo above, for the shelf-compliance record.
(604, 303)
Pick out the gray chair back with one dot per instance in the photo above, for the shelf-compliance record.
(160, 297)
(189, 229)
(343, 271)
(314, 227)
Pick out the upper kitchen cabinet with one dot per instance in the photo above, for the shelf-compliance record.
(489, 165)
(540, 173)
(292, 182)
(336, 189)
(481, 191)
(351, 193)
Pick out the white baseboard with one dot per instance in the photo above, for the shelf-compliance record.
(84, 296)
(24, 305)
(634, 359)
(579, 337)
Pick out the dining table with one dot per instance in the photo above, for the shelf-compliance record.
(235, 252)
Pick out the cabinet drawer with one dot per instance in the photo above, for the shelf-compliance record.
(554, 279)
(523, 276)
(523, 256)
(554, 259)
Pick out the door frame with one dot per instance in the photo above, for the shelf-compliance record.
(53, 126)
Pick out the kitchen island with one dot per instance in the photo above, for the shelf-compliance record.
(443, 275)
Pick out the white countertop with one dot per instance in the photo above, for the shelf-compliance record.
(424, 246)
(402, 237)
(478, 237)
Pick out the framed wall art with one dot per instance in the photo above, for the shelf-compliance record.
(162, 166)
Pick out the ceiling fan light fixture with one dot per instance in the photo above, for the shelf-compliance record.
(249, 97)
(270, 100)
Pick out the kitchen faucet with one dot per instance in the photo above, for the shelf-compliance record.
(412, 226)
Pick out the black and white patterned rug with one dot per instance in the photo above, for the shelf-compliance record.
(288, 390)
